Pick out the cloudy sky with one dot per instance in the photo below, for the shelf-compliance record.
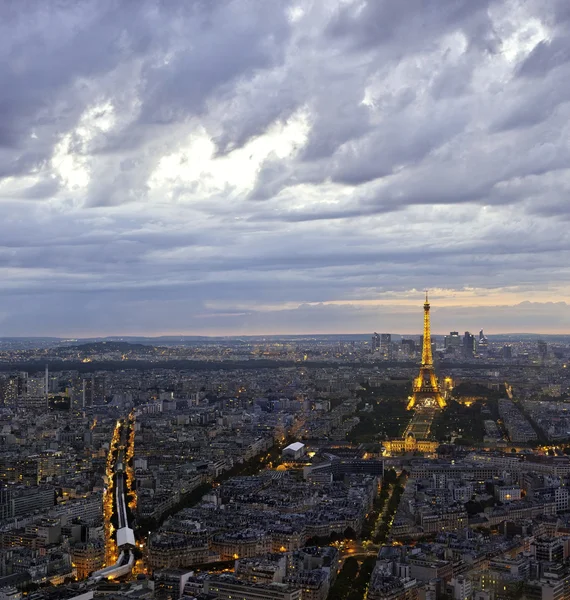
(280, 166)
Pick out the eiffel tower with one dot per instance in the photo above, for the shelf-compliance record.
(425, 390)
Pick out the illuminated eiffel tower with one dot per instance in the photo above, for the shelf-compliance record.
(425, 390)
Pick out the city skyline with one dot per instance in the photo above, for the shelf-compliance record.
(403, 322)
(237, 168)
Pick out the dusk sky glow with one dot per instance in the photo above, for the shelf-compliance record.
(235, 167)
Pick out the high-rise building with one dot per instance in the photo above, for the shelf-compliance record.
(425, 386)
(468, 345)
(386, 345)
(375, 342)
(36, 387)
(482, 343)
(74, 390)
(87, 392)
(542, 349)
(452, 342)
(507, 351)
(99, 389)
(408, 347)
(93, 391)
(3, 390)
(14, 388)
(22, 379)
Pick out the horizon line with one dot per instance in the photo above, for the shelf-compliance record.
(257, 335)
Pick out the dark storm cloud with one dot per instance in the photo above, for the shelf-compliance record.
(243, 166)
(221, 42)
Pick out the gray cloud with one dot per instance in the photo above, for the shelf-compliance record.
(410, 24)
(546, 56)
(239, 166)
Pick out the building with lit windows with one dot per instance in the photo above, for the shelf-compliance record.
(507, 493)
(243, 544)
(87, 557)
(176, 550)
(16, 501)
(410, 444)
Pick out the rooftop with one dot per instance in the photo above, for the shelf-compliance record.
(295, 446)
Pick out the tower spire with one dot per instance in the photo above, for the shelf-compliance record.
(427, 357)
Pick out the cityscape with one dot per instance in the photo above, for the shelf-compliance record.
(384, 467)
(284, 300)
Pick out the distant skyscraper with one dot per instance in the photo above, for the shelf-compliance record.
(74, 390)
(46, 382)
(452, 342)
(9, 390)
(93, 390)
(386, 345)
(87, 392)
(507, 351)
(375, 342)
(408, 347)
(35, 387)
(482, 343)
(15, 387)
(22, 383)
(99, 389)
(468, 345)
(542, 349)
